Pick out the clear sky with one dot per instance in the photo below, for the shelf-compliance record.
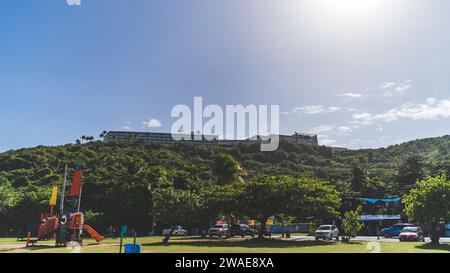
(359, 73)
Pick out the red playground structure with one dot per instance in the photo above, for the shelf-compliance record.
(67, 226)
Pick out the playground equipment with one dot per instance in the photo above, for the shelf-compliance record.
(67, 226)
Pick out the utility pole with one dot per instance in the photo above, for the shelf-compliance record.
(79, 200)
(63, 193)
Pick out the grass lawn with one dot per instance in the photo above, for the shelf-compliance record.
(234, 245)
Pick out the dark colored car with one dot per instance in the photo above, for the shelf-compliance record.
(395, 230)
(242, 230)
(414, 234)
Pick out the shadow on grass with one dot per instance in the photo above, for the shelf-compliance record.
(7, 249)
(249, 243)
(41, 247)
(430, 246)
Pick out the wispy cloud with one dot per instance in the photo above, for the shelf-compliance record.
(325, 140)
(321, 129)
(152, 123)
(313, 109)
(387, 85)
(345, 130)
(432, 109)
(385, 89)
(390, 89)
(351, 95)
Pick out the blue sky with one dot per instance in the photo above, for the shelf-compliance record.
(359, 73)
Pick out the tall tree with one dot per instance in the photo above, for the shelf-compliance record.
(263, 197)
(429, 203)
(7, 198)
(177, 207)
(227, 169)
(352, 224)
(359, 179)
(410, 170)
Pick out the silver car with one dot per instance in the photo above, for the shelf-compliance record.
(176, 231)
(327, 232)
(219, 230)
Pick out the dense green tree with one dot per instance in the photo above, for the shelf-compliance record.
(429, 203)
(7, 198)
(359, 179)
(227, 169)
(178, 207)
(262, 197)
(410, 170)
(351, 223)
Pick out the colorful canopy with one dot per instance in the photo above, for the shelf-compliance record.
(384, 200)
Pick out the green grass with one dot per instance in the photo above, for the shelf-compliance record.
(235, 245)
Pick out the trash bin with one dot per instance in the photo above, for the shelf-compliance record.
(132, 248)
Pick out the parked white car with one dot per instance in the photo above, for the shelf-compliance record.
(177, 231)
(219, 230)
(327, 232)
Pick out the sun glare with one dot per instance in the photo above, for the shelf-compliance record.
(347, 10)
(329, 14)
(351, 7)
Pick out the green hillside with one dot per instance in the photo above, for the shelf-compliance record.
(116, 192)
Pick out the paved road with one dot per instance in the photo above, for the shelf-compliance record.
(363, 239)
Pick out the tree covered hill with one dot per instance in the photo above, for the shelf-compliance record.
(116, 177)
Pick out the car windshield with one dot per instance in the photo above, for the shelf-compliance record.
(220, 226)
(410, 229)
(324, 228)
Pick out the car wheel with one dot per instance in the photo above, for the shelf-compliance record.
(386, 235)
(317, 238)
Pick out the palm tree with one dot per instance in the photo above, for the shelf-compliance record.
(228, 170)
(103, 134)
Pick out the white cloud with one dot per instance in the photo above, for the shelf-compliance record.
(321, 129)
(345, 130)
(351, 95)
(391, 89)
(324, 140)
(314, 109)
(403, 87)
(152, 123)
(387, 85)
(432, 109)
(379, 129)
(333, 109)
